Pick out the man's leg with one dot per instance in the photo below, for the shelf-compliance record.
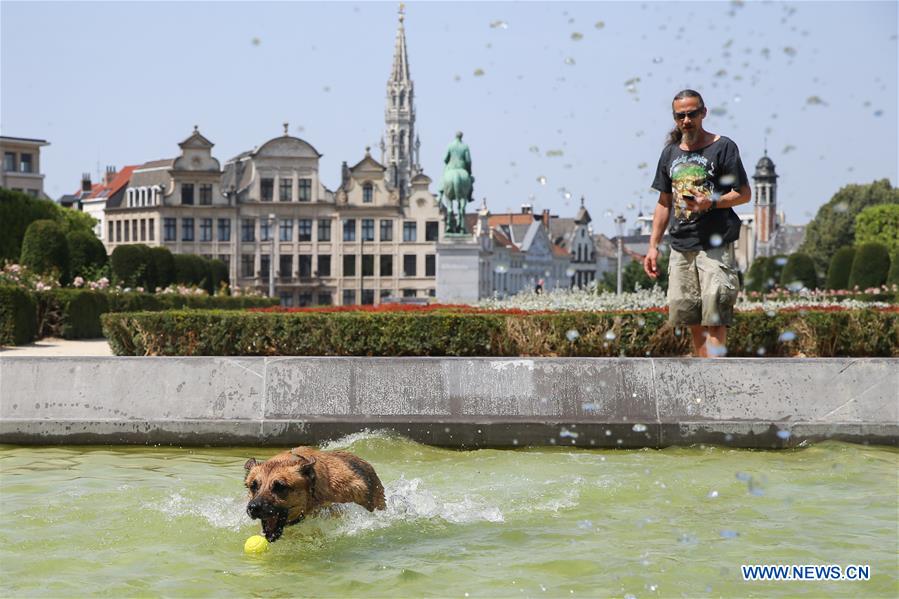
(716, 344)
(699, 334)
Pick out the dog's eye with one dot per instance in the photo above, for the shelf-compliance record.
(254, 486)
(279, 487)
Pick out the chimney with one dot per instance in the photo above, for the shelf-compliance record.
(110, 175)
(527, 209)
(546, 218)
(344, 174)
(86, 183)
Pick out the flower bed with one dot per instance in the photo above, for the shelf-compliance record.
(468, 331)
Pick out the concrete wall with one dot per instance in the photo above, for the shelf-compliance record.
(460, 402)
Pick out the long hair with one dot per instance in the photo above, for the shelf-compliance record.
(675, 135)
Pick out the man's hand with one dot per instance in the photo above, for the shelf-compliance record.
(700, 202)
(650, 263)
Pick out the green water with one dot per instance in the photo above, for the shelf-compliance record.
(554, 522)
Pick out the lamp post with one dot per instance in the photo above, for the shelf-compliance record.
(272, 219)
(619, 223)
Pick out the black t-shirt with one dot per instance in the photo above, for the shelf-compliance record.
(714, 170)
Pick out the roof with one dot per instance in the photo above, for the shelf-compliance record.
(157, 163)
(42, 142)
(765, 167)
(100, 191)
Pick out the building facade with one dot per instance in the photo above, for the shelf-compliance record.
(22, 165)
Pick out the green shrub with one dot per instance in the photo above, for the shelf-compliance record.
(449, 333)
(799, 269)
(840, 268)
(71, 313)
(18, 316)
(773, 271)
(86, 252)
(879, 223)
(18, 210)
(870, 266)
(45, 250)
(162, 267)
(191, 269)
(755, 279)
(893, 276)
(130, 265)
(219, 274)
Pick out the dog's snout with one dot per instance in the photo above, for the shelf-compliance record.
(259, 509)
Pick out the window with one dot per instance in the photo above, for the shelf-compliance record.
(205, 229)
(206, 194)
(304, 229)
(265, 229)
(349, 266)
(349, 297)
(386, 230)
(224, 229)
(324, 299)
(267, 189)
(168, 229)
(246, 265)
(409, 265)
(368, 193)
(187, 193)
(25, 163)
(285, 230)
(187, 229)
(368, 265)
(408, 293)
(324, 230)
(384, 294)
(286, 298)
(368, 297)
(110, 237)
(286, 187)
(368, 229)
(305, 190)
(324, 266)
(118, 229)
(134, 230)
(152, 227)
(305, 299)
(349, 229)
(431, 230)
(265, 266)
(432, 293)
(127, 231)
(409, 232)
(285, 266)
(305, 266)
(9, 161)
(430, 265)
(386, 265)
(143, 229)
(248, 229)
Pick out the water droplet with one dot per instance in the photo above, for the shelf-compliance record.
(639, 428)
(780, 260)
(743, 476)
(585, 524)
(795, 286)
(569, 61)
(790, 51)
(728, 180)
(760, 351)
(599, 25)
(788, 148)
(878, 113)
(570, 272)
(712, 494)
(815, 101)
(565, 433)
(255, 41)
(737, 99)
(554, 153)
(609, 335)
(641, 321)
(729, 534)
(716, 240)
(642, 165)
(577, 36)
(498, 25)
(608, 433)
(500, 268)
(479, 72)
(783, 435)
(718, 111)
(457, 78)
(841, 206)
(541, 180)
(572, 335)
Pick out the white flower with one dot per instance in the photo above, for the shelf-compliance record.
(78, 282)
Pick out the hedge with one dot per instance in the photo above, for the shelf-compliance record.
(18, 316)
(45, 249)
(870, 266)
(71, 313)
(840, 267)
(86, 253)
(800, 269)
(831, 332)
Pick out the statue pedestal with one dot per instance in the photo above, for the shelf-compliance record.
(458, 269)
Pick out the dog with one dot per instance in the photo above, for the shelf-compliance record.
(294, 484)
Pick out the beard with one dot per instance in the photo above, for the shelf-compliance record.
(691, 135)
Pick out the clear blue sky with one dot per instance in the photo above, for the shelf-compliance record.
(123, 82)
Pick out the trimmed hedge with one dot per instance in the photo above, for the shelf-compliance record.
(870, 266)
(799, 269)
(130, 265)
(449, 333)
(18, 316)
(840, 267)
(755, 279)
(162, 267)
(45, 249)
(71, 313)
(86, 253)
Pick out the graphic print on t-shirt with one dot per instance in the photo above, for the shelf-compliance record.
(690, 174)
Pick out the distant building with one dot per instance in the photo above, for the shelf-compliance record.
(773, 236)
(22, 165)
(575, 236)
(92, 198)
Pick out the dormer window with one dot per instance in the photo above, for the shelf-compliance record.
(368, 193)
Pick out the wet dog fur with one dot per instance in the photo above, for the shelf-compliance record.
(294, 484)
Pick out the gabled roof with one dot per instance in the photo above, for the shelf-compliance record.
(100, 191)
(156, 163)
(368, 163)
(196, 140)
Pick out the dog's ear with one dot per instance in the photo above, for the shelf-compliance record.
(251, 463)
(307, 469)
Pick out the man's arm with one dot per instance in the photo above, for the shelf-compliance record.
(659, 224)
(702, 202)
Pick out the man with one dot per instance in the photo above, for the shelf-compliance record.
(701, 176)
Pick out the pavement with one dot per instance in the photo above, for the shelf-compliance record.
(52, 347)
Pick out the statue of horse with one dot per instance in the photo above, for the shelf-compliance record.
(456, 188)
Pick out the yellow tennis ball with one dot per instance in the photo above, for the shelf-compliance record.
(255, 544)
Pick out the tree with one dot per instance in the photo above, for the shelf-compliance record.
(632, 274)
(18, 210)
(878, 223)
(86, 252)
(755, 279)
(44, 249)
(834, 225)
(840, 268)
(219, 273)
(870, 266)
(129, 264)
(893, 276)
(773, 270)
(799, 270)
(162, 267)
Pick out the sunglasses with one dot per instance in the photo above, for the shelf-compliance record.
(679, 116)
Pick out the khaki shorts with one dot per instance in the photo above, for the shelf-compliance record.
(703, 286)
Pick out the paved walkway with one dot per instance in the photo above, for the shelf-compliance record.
(52, 347)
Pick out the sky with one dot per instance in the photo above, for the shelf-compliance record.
(557, 100)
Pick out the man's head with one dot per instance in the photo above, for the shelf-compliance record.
(688, 110)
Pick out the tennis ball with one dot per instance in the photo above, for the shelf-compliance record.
(255, 544)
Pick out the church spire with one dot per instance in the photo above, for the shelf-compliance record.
(400, 148)
(400, 72)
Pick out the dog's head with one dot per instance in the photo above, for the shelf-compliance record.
(281, 492)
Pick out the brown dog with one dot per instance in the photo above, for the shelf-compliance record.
(291, 485)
